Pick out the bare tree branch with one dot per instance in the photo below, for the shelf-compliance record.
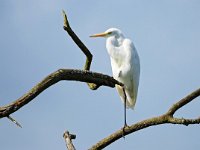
(68, 140)
(183, 102)
(94, 81)
(83, 48)
(61, 74)
(163, 119)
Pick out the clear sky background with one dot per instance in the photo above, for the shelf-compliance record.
(33, 44)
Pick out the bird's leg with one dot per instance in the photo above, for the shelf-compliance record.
(125, 99)
(125, 124)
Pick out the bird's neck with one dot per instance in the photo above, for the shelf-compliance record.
(115, 40)
(113, 45)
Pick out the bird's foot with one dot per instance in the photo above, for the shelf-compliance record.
(124, 130)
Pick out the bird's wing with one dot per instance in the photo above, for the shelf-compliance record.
(134, 72)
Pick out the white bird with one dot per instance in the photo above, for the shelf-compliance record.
(125, 64)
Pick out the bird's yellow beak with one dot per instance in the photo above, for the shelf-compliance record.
(99, 35)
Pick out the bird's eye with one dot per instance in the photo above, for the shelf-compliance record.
(109, 32)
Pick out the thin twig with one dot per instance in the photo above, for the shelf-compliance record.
(14, 121)
(183, 102)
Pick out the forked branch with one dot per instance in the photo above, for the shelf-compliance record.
(93, 79)
(163, 119)
(82, 47)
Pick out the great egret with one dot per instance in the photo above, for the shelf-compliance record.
(125, 65)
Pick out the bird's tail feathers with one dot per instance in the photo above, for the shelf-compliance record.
(130, 101)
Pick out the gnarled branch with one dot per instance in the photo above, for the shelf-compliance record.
(61, 74)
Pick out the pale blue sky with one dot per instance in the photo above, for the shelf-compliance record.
(33, 44)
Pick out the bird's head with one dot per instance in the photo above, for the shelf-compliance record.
(109, 33)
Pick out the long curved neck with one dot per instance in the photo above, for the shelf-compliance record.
(113, 45)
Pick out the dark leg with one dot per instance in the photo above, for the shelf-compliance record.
(125, 124)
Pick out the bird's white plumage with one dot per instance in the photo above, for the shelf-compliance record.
(125, 64)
